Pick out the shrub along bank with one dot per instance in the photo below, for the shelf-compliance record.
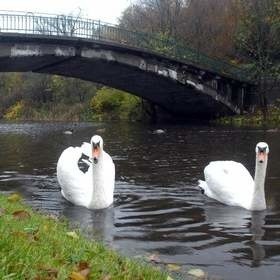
(38, 97)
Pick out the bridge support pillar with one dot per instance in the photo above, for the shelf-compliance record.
(240, 99)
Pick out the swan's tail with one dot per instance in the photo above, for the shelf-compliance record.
(202, 185)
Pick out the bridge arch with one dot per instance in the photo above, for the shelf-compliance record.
(182, 89)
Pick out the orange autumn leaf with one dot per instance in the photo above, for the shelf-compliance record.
(82, 271)
(84, 268)
(82, 265)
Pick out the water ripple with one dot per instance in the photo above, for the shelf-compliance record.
(158, 206)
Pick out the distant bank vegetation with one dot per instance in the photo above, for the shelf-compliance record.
(43, 97)
(255, 119)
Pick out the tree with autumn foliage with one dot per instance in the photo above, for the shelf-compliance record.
(188, 21)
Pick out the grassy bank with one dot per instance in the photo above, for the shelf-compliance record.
(34, 246)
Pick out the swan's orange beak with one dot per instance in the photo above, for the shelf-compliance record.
(95, 153)
(261, 156)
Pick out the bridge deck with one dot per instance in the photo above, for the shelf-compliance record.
(68, 26)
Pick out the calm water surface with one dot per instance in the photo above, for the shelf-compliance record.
(158, 207)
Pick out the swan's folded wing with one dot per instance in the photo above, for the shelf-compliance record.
(72, 180)
(109, 169)
(228, 181)
(86, 149)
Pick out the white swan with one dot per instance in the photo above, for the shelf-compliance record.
(93, 189)
(231, 183)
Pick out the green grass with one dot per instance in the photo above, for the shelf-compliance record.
(36, 246)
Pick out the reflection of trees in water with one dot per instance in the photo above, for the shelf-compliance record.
(22, 153)
(14, 149)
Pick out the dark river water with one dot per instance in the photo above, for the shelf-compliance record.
(158, 207)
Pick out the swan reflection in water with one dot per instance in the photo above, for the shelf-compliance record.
(96, 224)
(257, 231)
(237, 224)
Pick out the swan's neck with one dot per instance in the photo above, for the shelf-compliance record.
(98, 188)
(96, 173)
(258, 200)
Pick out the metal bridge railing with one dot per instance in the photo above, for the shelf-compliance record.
(69, 26)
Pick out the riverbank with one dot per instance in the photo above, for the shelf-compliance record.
(253, 120)
(35, 246)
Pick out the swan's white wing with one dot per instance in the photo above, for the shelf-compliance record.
(86, 149)
(109, 168)
(229, 182)
(75, 185)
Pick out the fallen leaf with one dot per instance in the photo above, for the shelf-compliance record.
(85, 272)
(77, 276)
(82, 265)
(2, 211)
(14, 197)
(169, 278)
(154, 258)
(83, 268)
(26, 235)
(20, 234)
(21, 214)
(173, 267)
(197, 272)
(72, 234)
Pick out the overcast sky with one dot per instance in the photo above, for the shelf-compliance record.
(105, 10)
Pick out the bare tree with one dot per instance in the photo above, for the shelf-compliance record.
(207, 26)
(60, 25)
(155, 16)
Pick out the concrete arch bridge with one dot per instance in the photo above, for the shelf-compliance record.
(179, 80)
